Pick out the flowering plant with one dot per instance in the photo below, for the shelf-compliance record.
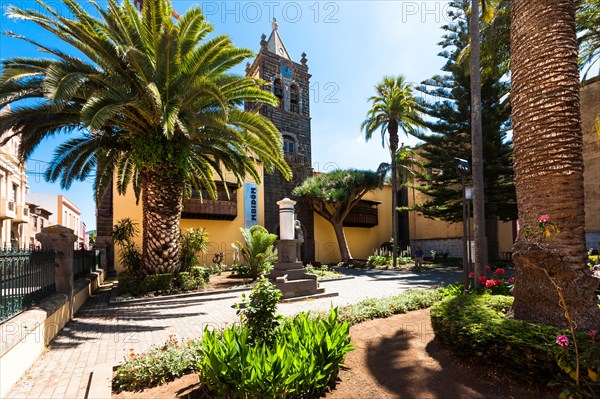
(495, 282)
(544, 229)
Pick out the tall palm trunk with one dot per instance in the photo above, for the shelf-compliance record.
(479, 253)
(548, 164)
(162, 199)
(338, 228)
(393, 131)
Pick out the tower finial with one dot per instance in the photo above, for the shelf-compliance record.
(274, 24)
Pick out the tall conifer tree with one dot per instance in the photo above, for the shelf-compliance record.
(447, 102)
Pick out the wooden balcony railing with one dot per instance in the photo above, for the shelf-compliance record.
(294, 159)
(209, 209)
(361, 216)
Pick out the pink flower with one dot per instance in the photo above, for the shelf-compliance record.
(499, 271)
(544, 218)
(593, 334)
(482, 279)
(511, 280)
(472, 274)
(489, 283)
(488, 268)
(562, 340)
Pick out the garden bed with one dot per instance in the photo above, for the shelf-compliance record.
(395, 357)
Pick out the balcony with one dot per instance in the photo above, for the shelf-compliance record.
(7, 209)
(362, 215)
(294, 159)
(209, 209)
(22, 214)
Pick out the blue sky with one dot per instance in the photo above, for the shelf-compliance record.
(350, 46)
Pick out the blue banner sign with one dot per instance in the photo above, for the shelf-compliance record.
(250, 204)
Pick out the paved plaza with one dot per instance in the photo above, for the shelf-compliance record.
(103, 332)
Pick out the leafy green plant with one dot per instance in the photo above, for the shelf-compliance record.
(201, 274)
(159, 284)
(475, 326)
(157, 365)
(194, 241)
(239, 270)
(130, 256)
(323, 272)
(258, 311)
(257, 251)
(374, 308)
(303, 359)
(580, 364)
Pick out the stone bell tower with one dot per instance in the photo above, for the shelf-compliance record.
(289, 81)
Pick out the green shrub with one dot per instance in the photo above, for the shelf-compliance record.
(201, 274)
(304, 358)
(158, 283)
(323, 272)
(186, 281)
(157, 365)
(194, 241)
(476, 326)
(130, 256)
(258, 311)
(257, 250)
(129, 284)
(374, 308)
(241, 271)
(385, 260)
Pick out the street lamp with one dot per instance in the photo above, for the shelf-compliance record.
(463, 169)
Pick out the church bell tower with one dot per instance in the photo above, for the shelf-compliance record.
(289, 81)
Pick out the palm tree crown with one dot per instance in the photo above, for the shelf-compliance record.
(154, 99)
(393, 109)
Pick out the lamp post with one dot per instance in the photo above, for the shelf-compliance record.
(463, 169)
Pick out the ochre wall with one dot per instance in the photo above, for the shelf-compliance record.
(361, 241)
(422, 228)
(221, 233)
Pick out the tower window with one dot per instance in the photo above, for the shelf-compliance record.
(289, 146)
(278, 91)
(294, 99)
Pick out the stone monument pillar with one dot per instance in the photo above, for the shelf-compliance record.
(289, 274)
(61, 240)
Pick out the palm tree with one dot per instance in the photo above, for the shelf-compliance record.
(408, 166)
(548, 164)
(155, 103)
(393, 108)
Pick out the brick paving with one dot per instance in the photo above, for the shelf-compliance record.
(103, 333)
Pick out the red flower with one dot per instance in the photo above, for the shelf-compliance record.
(511, 280)
(497, 282)
(489, 283)
(499, 271)
(488, 268)
(482, 279)
(472, 274)
(544, 218)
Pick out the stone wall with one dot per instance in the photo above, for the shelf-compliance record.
(453, 246)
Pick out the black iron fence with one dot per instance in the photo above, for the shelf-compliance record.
(26, 278)
(85, 262)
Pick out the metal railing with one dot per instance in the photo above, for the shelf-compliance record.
(26, 278)
(84, 262)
